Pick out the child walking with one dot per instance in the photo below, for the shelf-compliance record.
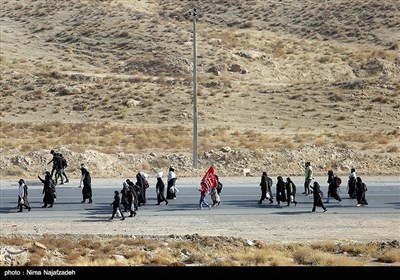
(115, 204)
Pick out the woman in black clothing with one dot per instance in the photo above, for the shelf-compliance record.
(317, 194)
(265, 185)
(87, 184)
(351, 184)
(48, 192)
(291, 191)
(160, 188)
(135, 192)
(141, 189)
(280, 190)
(361, 188)
(333, 187)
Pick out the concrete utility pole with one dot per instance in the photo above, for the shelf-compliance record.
(193, 14)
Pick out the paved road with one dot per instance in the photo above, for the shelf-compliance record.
(239, 197)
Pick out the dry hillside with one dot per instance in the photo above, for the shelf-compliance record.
(110, 82)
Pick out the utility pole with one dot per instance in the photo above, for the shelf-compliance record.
(193, 14)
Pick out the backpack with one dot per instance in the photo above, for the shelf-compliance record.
(338, 180)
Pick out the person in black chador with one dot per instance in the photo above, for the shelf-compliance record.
(361, 188)
(124, 196)
(48, 192)
(317, 194)
(141, 189)
(351, 184)
(280, 190)
(87, 184)
(291, 191)
(131, 200)
(333, 187)
(160, 188)
(135, 191)
(266, 184)
(171, 180)
(115, 205)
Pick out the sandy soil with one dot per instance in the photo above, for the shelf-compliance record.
(270, 228)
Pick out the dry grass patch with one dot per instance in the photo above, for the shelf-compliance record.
(195, 249)
(389, 255)
(113, 138)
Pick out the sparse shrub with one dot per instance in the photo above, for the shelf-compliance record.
(390, 255)
(34, 260)
(301, 254)
(393, 149)
(381, 99)
(72, 257)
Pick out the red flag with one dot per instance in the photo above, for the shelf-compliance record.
(209, 182)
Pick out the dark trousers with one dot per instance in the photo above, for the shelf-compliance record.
(115, 212)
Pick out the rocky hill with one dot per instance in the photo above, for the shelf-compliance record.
(110, 83)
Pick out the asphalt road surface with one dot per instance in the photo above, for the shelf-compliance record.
(239, 196)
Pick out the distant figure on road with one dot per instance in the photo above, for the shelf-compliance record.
(266, 184)
(48, 197)
(308, 176)
(130, 196)
(142, 185)
(317, 197)
(55, 162)
(171, 191)
(160, 189)
(215, 192)
(62, 173)
(216, 199)
(351, 184)
(124, 196)
(361, 188)
(87, 184)
(280, 190)
(135, 191)
(291, 191)
(333, 187)
(23, 196)
(115, 205)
